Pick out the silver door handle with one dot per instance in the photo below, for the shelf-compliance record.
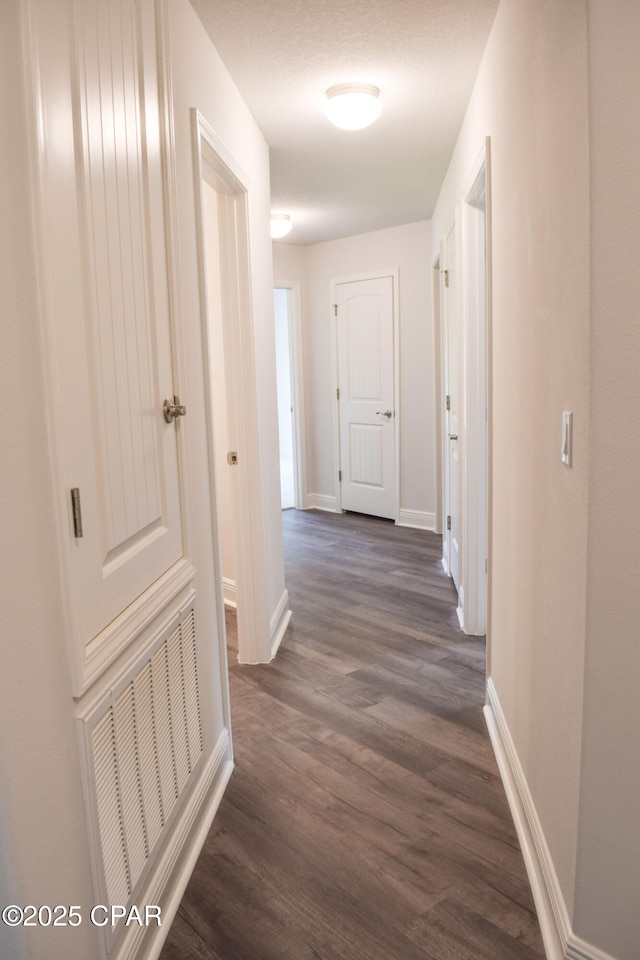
(453, 436)
(384, 413)
(172, 409)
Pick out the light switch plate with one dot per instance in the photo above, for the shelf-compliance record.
(567, 437)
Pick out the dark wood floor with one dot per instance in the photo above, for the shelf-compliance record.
(365, 819)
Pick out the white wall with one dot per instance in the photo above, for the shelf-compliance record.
(564, 607)
(408, 249)
(608, 856)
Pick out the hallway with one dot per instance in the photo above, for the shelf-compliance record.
(365, 819)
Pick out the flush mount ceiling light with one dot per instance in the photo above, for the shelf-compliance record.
(280, 225)
(352, 106)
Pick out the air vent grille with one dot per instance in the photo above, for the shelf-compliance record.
(145, 747)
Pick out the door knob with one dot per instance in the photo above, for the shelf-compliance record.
(172, 409)
(384, 413)
(453, 436)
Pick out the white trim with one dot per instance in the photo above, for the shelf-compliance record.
(169, 880)
(229, 590)
(578, 949)
(129, 625)
(356, 278)
(421, 519)
(319, 501)
(280, 622)
(559, 940)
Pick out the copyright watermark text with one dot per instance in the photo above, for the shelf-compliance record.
(100, 916)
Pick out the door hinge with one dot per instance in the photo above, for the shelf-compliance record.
(76, 512)
(338, 393)
(445, 277)
(335, 309)
(448, 523)
(340, 476)
(448, 402)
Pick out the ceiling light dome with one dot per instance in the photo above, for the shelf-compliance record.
(352, 106)
(280, 225)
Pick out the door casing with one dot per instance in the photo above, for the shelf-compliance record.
(212, 160)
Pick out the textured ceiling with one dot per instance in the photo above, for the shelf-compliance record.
(283, 55)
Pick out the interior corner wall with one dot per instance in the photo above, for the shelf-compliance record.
(407, 248)
(201, 80)
(531, 98)
(608, 860)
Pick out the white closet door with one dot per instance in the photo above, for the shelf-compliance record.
(110, 308)
(367, 404)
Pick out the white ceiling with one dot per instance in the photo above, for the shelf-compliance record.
(283, 55)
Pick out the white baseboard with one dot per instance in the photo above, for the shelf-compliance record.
(560, 942)
(168, 881)
(279, 622)
(229, 591)
(318, 501)
(460, 607)
(420, 519)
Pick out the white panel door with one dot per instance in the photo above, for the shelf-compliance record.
(366, 396)
(453, 384)
(105, 236)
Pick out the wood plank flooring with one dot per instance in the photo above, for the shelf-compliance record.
(365, 819)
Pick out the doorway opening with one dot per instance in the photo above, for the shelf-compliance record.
(464, 308)
(229, 371)
(288, 336)
(475, 558)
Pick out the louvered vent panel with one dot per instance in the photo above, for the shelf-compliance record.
(148, 757)
(178, 713)
(164, 742)
(129, 777)
(144, 748)
(191, 697)
(109, 816)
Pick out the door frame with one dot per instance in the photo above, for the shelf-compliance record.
(476, 323)
(437, 305)
(355, 278)
(294, 311)
(476, 380)
(210, 157)
(445, 390)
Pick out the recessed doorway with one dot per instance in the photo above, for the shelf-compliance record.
(286, 310)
